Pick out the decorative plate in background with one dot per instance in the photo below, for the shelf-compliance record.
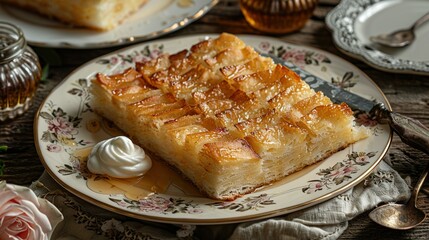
(154, 19)
(353, 22)
(66, 128)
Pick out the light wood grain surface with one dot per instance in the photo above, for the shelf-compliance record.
(408, 94)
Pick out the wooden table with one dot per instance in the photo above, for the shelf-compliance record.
(408, 94)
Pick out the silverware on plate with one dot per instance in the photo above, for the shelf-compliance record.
(402, 37)
(411, 131)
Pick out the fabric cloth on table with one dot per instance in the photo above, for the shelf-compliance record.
(327, 220)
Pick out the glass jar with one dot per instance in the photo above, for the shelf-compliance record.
(20, 72)
(277, 16)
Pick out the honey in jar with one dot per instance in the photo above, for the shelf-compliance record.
(20, 72)
(277, 16)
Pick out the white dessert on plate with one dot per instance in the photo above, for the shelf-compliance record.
(118, 157)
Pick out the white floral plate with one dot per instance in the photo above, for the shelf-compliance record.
(65, 127)
(154, 19)
(353, 22)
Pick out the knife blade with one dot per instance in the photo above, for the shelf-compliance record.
(411, 131)
(336, 94)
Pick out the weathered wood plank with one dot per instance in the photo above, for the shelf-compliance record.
(408, 94)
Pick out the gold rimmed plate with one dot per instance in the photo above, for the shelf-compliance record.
(156, 18)
(66, 128)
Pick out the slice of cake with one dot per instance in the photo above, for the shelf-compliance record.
(229, 119)
(95, 14)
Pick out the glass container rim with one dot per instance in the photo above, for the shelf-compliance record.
(15, 47)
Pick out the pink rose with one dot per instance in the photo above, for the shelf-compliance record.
(61, 126)
(155, 203)
(114, 60)
(25, 216)
(313, 187)
(53, 148)
(264, 46)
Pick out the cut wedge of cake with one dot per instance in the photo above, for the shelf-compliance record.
(227, 118)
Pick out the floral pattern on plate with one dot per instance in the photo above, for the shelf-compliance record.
(340, 172)
(148, 52)
(80, 128)
(63, 128)
(249, 203)
(160, 204)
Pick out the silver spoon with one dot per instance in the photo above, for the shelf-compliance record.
(401, 216)
(400, 38)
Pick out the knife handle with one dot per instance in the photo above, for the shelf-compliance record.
(411, 131)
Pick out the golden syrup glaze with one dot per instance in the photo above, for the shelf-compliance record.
(161, 178)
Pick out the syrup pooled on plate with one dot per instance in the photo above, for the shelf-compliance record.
(160, 178)
(118, 157)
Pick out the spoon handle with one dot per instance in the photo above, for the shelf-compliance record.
(418, 185)
(420, 21)
(411, 131)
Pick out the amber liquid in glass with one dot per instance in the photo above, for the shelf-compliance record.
(18, 93)
(20, 72)
(277, 16)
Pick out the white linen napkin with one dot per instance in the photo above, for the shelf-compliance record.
(327, 220)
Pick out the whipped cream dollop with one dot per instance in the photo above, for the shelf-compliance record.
(118, 157)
